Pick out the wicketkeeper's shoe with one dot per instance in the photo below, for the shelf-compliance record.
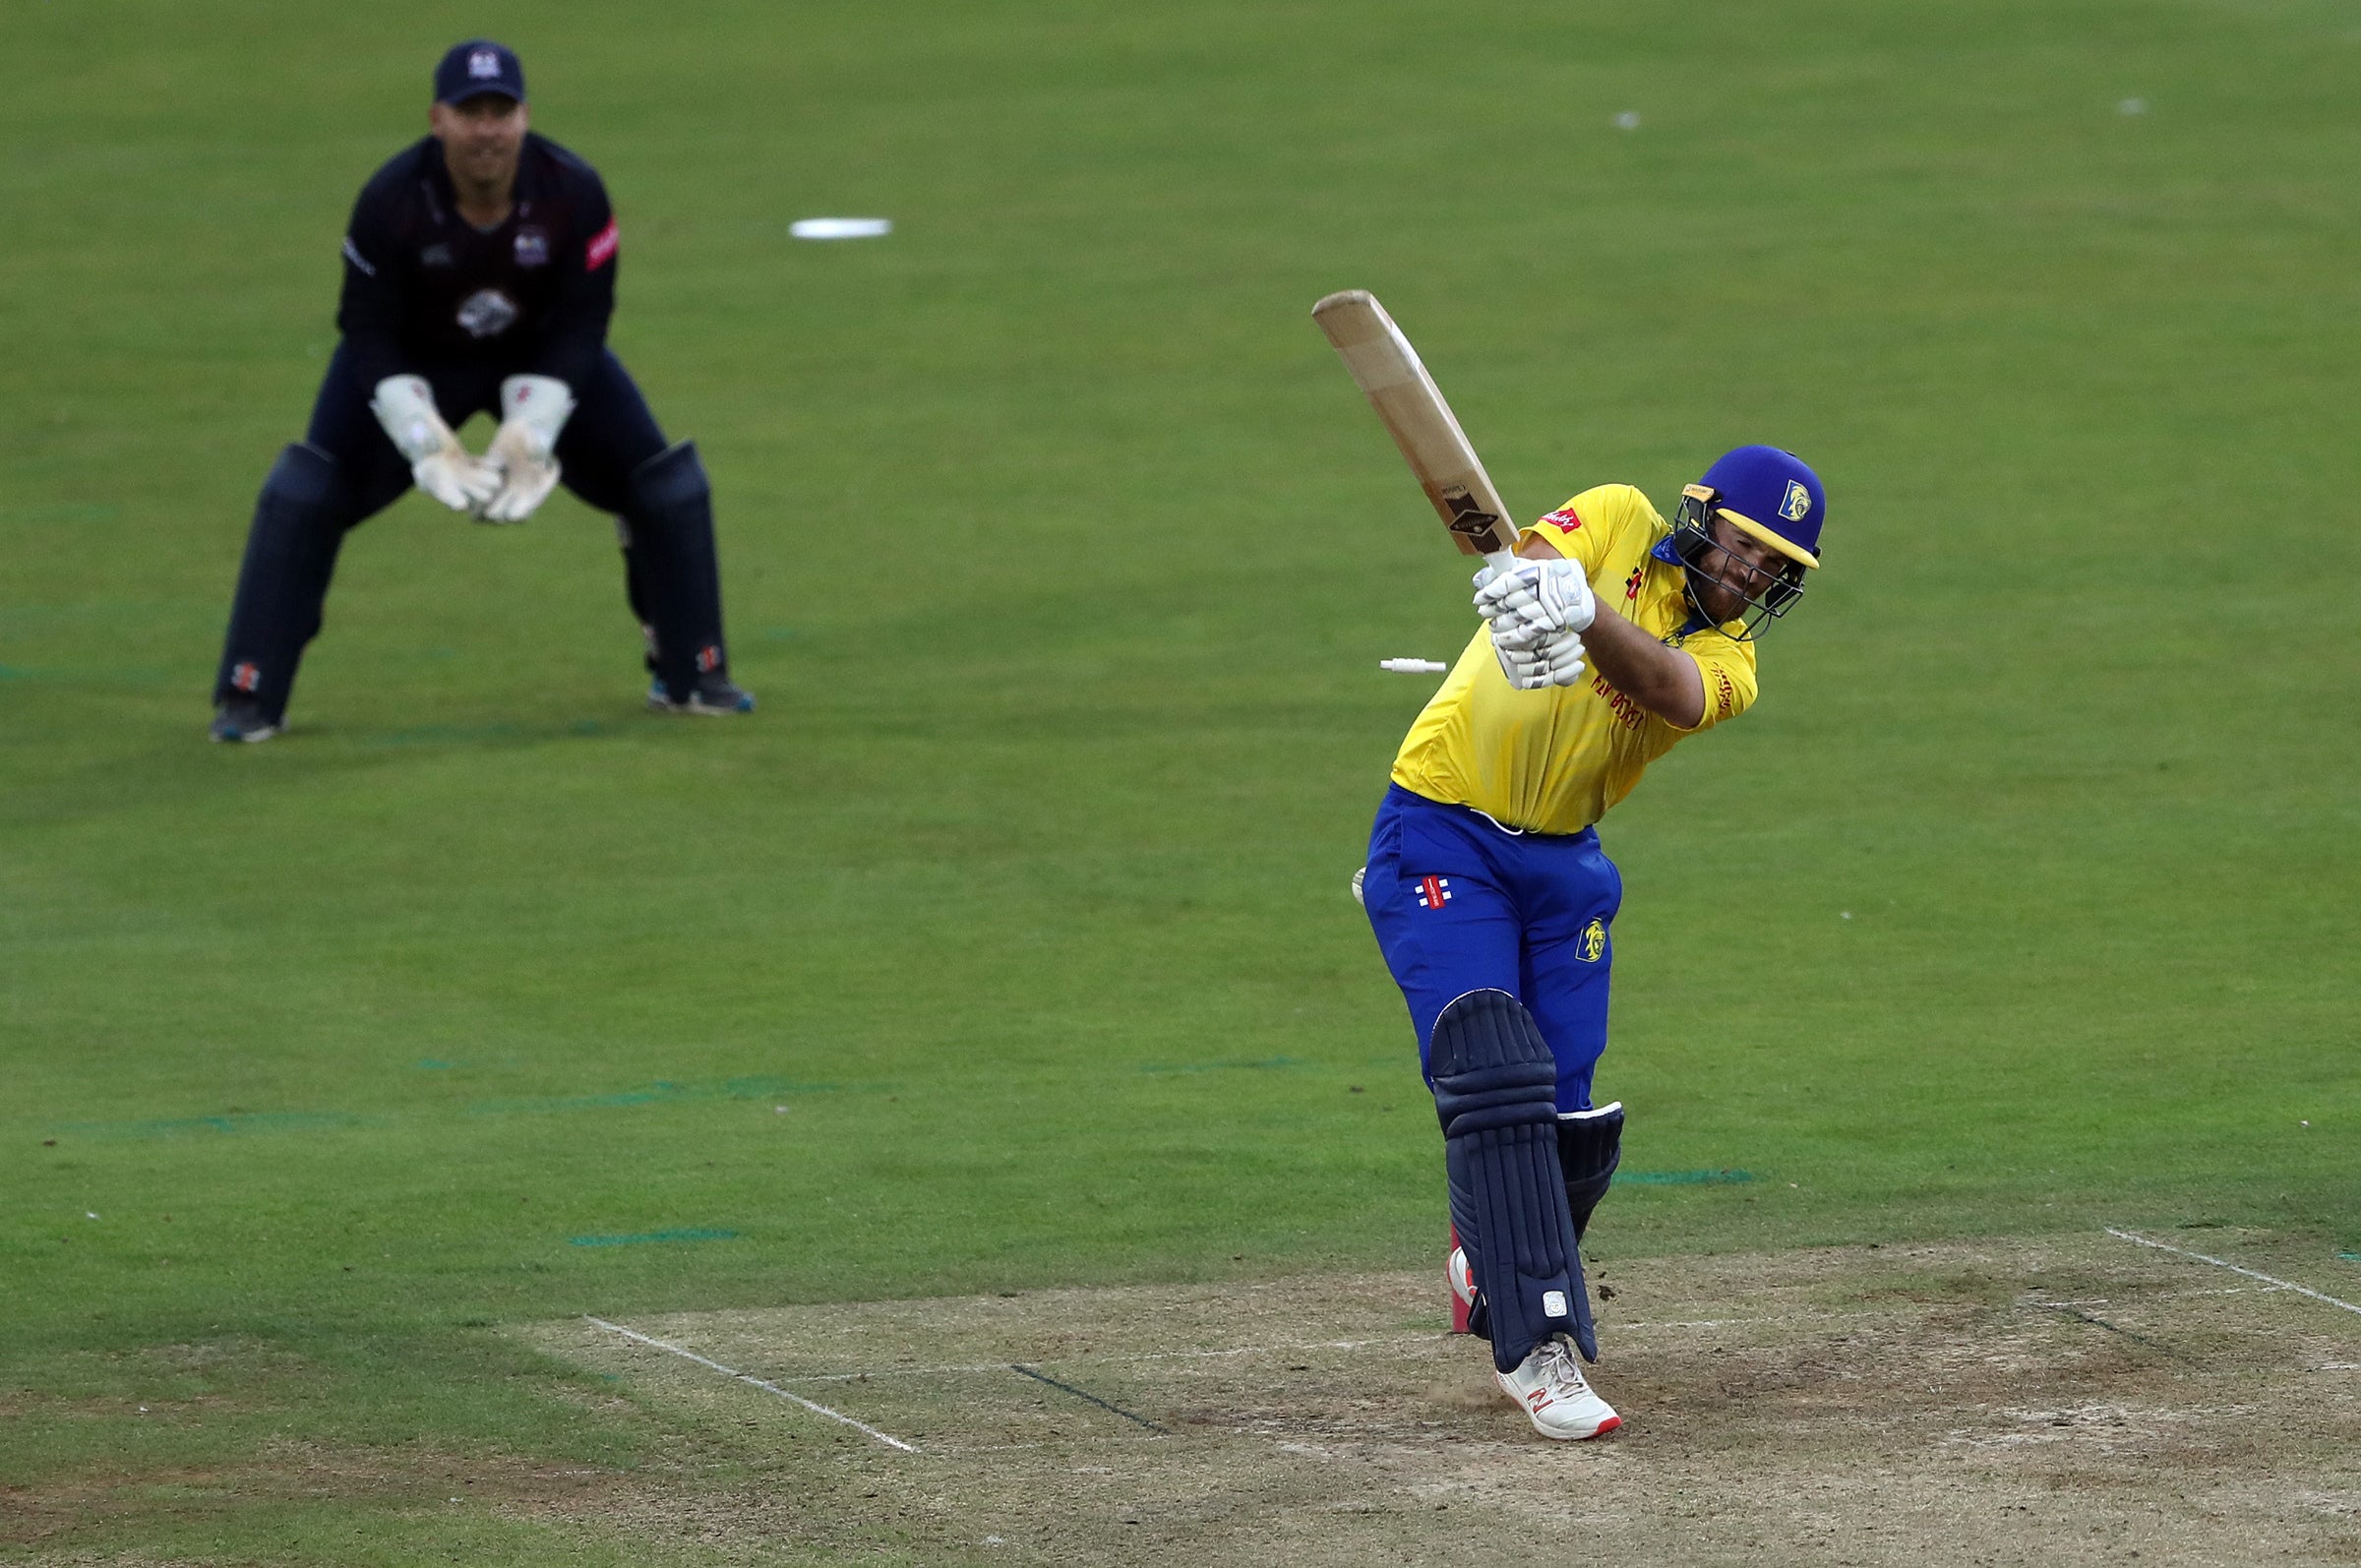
(1556, 1397)
(712, 694)
(243, 719)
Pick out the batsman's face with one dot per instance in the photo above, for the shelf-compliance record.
(481, 137)
(1741, 568)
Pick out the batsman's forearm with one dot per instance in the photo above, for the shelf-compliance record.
(1663, 681)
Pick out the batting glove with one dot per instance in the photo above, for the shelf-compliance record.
(1556, 660)
(439, 465)
(532, 410)
(1535, 600)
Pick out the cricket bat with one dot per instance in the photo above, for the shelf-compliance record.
(1406, 397)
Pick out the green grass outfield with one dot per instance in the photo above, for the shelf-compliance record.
(1060, 553)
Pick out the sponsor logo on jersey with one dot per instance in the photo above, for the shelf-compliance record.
(1631, 585)
(487, 312)
(1626, 712)
(532, 247)
(1593, 946)
(1727, 699)
(1563, 520)
(1433, 892)
(1797, 504)
(483, 66)
(437, 255)
(601, 248)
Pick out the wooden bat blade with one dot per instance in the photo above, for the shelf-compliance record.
(1388, 369)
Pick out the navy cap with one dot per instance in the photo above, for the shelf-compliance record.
(478, 66)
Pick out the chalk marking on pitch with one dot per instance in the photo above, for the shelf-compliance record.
(813, 1406)
(2234, 1268)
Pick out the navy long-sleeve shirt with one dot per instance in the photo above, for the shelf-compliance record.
(425, 288)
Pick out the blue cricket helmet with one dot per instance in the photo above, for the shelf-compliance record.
(1773, 496)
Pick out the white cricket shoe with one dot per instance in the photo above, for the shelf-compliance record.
(1556, 1397)
(1462, 1280)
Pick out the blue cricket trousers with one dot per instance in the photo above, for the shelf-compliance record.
(1460, 903)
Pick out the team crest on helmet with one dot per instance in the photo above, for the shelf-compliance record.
(1593, 946)
(1797, 504)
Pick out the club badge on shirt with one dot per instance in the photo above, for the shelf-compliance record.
(532, 247)
(487, 312)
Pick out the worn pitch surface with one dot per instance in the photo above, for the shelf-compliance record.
(2065, 1399)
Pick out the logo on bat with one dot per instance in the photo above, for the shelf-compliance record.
(1466, 516)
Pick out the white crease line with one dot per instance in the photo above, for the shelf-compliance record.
(2251, 1274)
(888, 1439)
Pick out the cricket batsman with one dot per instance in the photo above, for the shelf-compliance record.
(1611, 637)
(480, 275)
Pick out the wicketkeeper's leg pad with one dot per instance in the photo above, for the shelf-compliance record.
(672, 572)
(299, 523)
(1495, 1089)
(1590, 1145)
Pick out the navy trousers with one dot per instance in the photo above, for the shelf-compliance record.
(1460, 903)
(291, 551)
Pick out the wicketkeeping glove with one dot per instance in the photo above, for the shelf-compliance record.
(1534, 600)
(1556, 660)
(532, 410)
(439, 465)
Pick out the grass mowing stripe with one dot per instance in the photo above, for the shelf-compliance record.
(887, 1439)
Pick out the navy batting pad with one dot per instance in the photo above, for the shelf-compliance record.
(1495, 1095)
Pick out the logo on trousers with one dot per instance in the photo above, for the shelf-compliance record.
(246, 677)
(1592, 947)
(1433, 892)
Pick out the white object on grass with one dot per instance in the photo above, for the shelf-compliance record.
(840, 228)
(1414, 665)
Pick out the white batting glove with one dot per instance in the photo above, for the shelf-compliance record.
(532, 410)
(439, 465)
(1535, 600)
(1556, 660)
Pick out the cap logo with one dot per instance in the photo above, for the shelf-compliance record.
(483, 66)
(1797, 504)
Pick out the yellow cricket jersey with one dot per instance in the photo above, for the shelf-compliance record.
(1554, 761)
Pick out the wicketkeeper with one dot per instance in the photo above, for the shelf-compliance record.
(1490, 896)
(479, 274)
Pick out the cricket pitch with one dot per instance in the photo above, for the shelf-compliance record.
(2067, 1399)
